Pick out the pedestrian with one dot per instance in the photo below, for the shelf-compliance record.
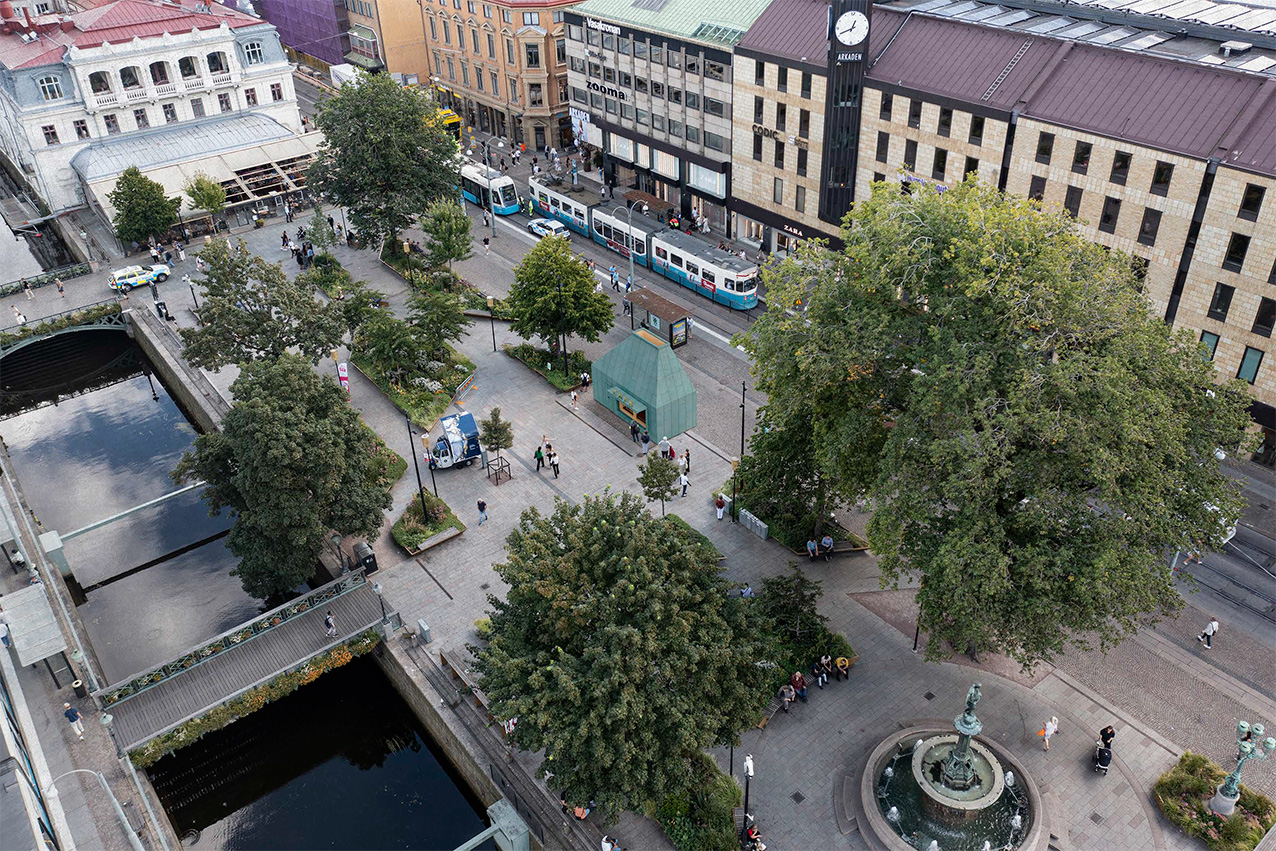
(329, 625)
(823, 668)
(168, 257)
(686, 457)
(812, 549)
(181, 253)
(553, 462)
(615, 279)
(646, 442)
(799, 684)
(287, 212)
(787, 696)
(826, 546)
(301, 259)
(482, 508)
(61, 290)
(73, 716)
(1207, 634)
(1051, 727)
(487, 247)
(721, 504)
(17, 314)
(155, 255)
(283, 240)
(330, 223)
(26, 288)
(1106, 735)
(539, 455)
(199, 265)
(682, 462)
(629, 284)
(633, 431)
(4, 630)
(843, 668)
(339, 229)
(664, 447)
(685, 482)
(575, 400)
(487, 219)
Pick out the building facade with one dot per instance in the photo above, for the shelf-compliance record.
(318, 28)
(502, 66)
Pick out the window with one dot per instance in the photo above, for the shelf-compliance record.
(1161, 175)
(1045, 147)
(1151, 223)
(799, 199)
(562, 94)
(779, 154)
(888, 101)
(757, 147)
(531, 19)
(512, 85)
(1037, 188)
(1265, 318)
(223, 102)
(940, 165)
(578, 94)
(640, 85)
(253, 54)
(447, 32)
(759, 73)
(451, 68)
(1250, 361)
(478, 79)
(673, 58)
(713, 106)
(781, 115)
(1236, 250)
(507, 16)
(1251, 200)
(536, 96)
(496, 86)
(759, 109)
(777, 192)
(465, 73)
(197, 107)
(714, 142)
(487, 12)
(804, 123)
(560, 50)
(609, 75)
(595, 99)
(474, 42)
(1120, 168)
(675, 96)
(976, 129)
(1081, 157)
(640, 50)
(945, 126)
(113, 123)
(657, 122)
(1210, 339)
(675, 127)
(781, 78)
(910, 155)
(1221, 303)
(595, 70)
(591, 36)
(914, 113)
(693, 134)
(693, 101)
(657, 55)
(878, 177)
(130, 80)
(1108, 218)
(250, 97)
(577, 64)
(609, 41)
(170, 113)
(806, 84)
(50, 134)
(801, 163)
(217, 63)
(491, 47)
(883, 146)
(715, 70)
(971, 167)
(276, 91)
(657, 89)
(693, 64)
(625, 45)
(434, 30)
(51, 88)
(1072, 201)
(81, 128)
(186, 67)
(509, 51)
(469, 6)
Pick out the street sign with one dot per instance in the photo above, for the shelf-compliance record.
(343, 375)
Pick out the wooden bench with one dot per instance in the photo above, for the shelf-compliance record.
(839, 548)
(777, 702)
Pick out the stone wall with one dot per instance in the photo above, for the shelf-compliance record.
(196, 395)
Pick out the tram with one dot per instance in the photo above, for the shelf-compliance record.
(475, 179)
(715, 274)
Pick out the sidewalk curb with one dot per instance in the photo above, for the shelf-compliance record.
(1242, 693)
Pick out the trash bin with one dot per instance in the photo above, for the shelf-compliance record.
(80, 690)
(365, 557)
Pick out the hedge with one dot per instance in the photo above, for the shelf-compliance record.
(701, 817)
(1183, 794)
(69, 320)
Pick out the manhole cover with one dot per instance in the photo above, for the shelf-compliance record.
(1096, 818)
(930, 695)
(798, 797)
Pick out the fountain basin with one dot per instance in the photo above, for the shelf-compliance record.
(957, 804)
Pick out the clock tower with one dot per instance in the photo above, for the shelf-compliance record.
(848, 27)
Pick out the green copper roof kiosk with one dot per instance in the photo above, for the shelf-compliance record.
(641, 381)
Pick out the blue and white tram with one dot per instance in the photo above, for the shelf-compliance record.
(551, 203)
(712, 272)
(612, 231)
(474, 186)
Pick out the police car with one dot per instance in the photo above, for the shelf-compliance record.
(137, 276)
(547, 227)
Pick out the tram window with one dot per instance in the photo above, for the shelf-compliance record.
(607, 233)
(708, 276)
(640, 248)
(553, 202)
(675, 260)
(543, 197)
(692, 268)
(661, 254)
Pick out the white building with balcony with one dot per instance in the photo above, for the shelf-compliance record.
(133, 82)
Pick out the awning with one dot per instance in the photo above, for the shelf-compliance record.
(367, 63)
(628, 401)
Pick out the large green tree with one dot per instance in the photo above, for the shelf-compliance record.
(658, 478)
(619, 649)
(293, 462)
(447, 230)
(554, 293)
(208, 195)
(384, 157)
(439, 318)
(1033, 442)
(252, 311)
(142, 210)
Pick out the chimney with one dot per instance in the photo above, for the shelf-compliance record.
(26, 10)
(67, 25)
(6, 10)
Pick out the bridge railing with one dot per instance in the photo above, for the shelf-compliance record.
(105, 312)
(230, 639)
(74, 270)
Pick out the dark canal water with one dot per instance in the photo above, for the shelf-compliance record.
(340, 763)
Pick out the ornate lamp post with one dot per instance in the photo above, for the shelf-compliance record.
(748, 775)
(1250, 744)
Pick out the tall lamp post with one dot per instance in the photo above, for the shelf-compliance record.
(417, 465)
(377, 589)
(491, 317)
(1250, 744)
(629, 223)
(487, 165)
(735, 478)
(748, 775)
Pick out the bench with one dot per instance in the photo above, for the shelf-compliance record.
(777, 703)
(839, 548)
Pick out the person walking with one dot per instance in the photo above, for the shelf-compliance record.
(482, 508)
(283, 240)
(1051, 727)
(61, 289)
(721, 504)
(75, 719)
(646, 443)
(575, 400)
(553, 462)
(539, 455)
(26, 288)
(181, 253)
(1207, 634)
(1106, 735)
(329, 625)
(685, 482)
(487, 219)
(664, 447)
(686, 459)
(487, 246)
(615, 279)
(22, 320)
(287, 212)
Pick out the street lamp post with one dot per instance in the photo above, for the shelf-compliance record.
(377, 589)
(417, 465)
(629, 223)
(748, 775)
(487, 165)
(735, 478)
(562, 325)
(1250, 744)
(88, 246)
(133, 840)
(491, 317)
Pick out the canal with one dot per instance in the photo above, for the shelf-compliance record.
(342, 762)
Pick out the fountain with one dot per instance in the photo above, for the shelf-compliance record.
(928, 789)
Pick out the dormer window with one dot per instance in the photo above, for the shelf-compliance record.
(51, 88)
(253, 54)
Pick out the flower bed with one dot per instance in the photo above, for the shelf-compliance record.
(536, 359)
(426, 400)
(389, 464)
(412, 529)
(253, 699)
(1183, 795)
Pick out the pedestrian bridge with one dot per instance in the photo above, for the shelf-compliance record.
(155, 701)
(106, 314)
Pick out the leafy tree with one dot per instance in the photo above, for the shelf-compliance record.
(141, 208)
(392, 344)
(294, 463)
(790, 601)
(619, 649)
(252, 311)
(448, 227)
(320, 233)
(384, 158)
(208, 195)
(496, 433)
(439, 319)
(554, 291)
(658, 476)
(1032, 441)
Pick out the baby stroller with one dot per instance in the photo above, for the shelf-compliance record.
(1102, 758)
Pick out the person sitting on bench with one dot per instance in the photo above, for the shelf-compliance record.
(822, 668)
(812, 549)
(826, 546)
(798, 682)
(843, 669)
(787, 696)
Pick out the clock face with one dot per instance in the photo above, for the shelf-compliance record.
(851, 28)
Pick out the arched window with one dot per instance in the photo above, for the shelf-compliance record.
(51, 88)
(99, 82)
(217, 63)
(130, 78)
(188, 66)
(253, 54)
(159, 73)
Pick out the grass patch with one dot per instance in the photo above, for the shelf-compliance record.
(700, 818)
(1183, 794)
(252, 700)
(536, 360)
(424, 404)
(414, 527)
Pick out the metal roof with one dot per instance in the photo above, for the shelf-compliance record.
(793, 29)
(694, 20)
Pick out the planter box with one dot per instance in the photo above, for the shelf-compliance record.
(435, 539)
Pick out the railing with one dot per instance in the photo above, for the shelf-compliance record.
(106, 99)
(75, 270)
(221, 79)
(163, 89)
(136, 94)
(106, 313)
(231, 639)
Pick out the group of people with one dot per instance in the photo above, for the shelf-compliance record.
(824, 549)
(546, 455)
(162, 253)
(826, 666)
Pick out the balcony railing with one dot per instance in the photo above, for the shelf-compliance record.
(221, 79)
(136, 94)
(106, 98)
(165, 89)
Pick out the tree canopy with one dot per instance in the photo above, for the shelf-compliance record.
(619, 649)
(541, 309)
(447, 228)
(658, 478)
(1031, 440)
(438, 319)
(294, 462)
(142, 210)
(385, 157)
(495, 432)
(252, 311)
(206, 194)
